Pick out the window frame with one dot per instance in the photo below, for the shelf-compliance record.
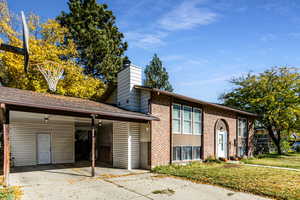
(183, 119)
(200, 122)
(241, 134)
(191, 147)
(180, 118)
(180, 149)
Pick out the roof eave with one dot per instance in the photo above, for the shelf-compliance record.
(194, 100)
(82, 111)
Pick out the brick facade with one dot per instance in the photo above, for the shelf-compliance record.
(160, 130)
(210, 117)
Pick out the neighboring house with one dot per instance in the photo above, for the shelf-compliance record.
(137, 127)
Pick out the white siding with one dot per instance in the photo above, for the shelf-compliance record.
(127, 96)
(23, 142)
(145, 97)
(63, 143)
(126, 145)
(135, 145)
(23, 136)
(120, 144)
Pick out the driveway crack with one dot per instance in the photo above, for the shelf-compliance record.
(128, 189)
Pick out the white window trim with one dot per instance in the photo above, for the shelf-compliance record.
(241, 134)
(193, 121)
(180, 118)
(192, 153)
(182, 153)
(184, 106)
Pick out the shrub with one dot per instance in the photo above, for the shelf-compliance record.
(212, 159)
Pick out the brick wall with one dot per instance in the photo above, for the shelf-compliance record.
(210, 116)
(160, 131)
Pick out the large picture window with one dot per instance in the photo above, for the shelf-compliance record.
(176, 153)
(242, 128)
(196, 153)
(186, 153)
(187, 119)
(176, 125)
(197, 121)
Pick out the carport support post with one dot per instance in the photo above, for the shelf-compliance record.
(6, 145)
(93, 145)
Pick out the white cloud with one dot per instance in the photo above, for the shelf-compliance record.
(268, 37)
(187, 15)
(145, 40)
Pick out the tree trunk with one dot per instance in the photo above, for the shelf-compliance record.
(275, 139)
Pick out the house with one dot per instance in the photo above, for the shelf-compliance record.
(189, 129)
(136, 127)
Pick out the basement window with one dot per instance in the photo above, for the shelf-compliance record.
(176, 153)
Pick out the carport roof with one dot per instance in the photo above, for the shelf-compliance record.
(25, 100)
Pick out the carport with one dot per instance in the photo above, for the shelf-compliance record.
(16, 100)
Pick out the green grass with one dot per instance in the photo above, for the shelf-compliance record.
(275, 183)
(291, 160)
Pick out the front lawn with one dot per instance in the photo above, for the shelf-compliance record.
(291, 160)
(275, 183)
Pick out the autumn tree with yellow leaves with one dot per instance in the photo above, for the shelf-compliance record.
(47, 50)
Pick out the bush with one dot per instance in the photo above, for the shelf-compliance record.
(285, 146)
(212, 159)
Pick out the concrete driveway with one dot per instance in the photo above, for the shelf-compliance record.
(61, 182)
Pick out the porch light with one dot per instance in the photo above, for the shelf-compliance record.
(46, 119)
(100, 123)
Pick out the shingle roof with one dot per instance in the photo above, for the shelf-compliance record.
(189, 99)
(26, 98)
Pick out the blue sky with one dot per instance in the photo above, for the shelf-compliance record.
(202, 43)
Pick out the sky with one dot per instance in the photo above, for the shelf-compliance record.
(202, 43)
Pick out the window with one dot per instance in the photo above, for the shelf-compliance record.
(176, 153)
(197, 121)
(242, 127)
(196, 153)
(176, 125)
(187, 119)
(186, 153)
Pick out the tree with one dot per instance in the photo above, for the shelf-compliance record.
(274, 95)
(46, 45)
(156, 75)
(99, 42)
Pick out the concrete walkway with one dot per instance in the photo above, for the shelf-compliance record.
(59, 183)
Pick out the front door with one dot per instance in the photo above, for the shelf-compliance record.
(44, 148)
(222, 144)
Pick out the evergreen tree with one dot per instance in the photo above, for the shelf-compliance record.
(99, 42)
(156, 75)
